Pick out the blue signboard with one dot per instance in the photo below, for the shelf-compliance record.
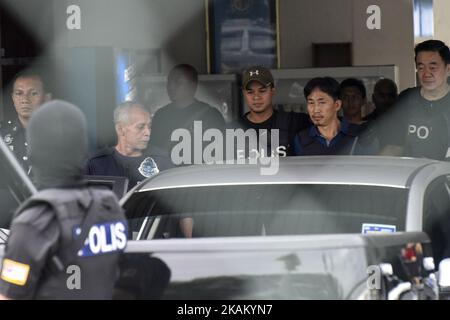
(244, 33)
(125, 69)
(371, 228)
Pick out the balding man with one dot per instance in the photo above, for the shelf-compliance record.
(129, 157)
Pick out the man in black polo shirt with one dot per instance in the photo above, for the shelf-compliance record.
(182, 113)
(426, 108)
(258, 88)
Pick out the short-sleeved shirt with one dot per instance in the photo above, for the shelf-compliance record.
(109, 162)
(288, 124)
(390, 126)
(170, 118)
(428, 126)
(420, 126)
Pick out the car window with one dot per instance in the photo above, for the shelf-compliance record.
(251, 210)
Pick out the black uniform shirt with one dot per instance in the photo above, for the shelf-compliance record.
(13, 134)
(428, 130)
(169, 118)
(108, 162)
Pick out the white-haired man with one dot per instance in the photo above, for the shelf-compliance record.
(129, 158)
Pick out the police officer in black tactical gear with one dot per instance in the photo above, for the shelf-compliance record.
(28, 93)
(65, 240)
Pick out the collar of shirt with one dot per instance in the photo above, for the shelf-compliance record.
(343, 131)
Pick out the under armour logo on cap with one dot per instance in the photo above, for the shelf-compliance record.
(258, 74)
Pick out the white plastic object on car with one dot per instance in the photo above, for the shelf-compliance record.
(386, 269)
(428, 263)
(444, 273)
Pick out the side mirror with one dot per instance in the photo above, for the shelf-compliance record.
(444, 279)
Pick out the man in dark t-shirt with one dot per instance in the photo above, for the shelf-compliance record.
(258, 89)
(385, 95)
(428, 126)
(129, 158)
(424, 110)
(182, 112)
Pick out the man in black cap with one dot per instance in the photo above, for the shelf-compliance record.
(66, 239)
(258, 88)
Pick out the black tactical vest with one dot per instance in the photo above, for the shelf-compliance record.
(104, 227)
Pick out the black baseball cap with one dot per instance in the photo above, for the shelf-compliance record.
(259, 74)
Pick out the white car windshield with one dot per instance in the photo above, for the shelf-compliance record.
(252, 210)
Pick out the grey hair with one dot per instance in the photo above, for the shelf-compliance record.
(122, 112)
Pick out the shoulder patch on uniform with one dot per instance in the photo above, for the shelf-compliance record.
(15, 272)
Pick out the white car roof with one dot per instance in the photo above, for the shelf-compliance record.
(358, 170)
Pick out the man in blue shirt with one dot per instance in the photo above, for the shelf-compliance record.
(329, 135)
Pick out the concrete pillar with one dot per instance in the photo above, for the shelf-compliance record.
(441, 10)
(392, 44)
